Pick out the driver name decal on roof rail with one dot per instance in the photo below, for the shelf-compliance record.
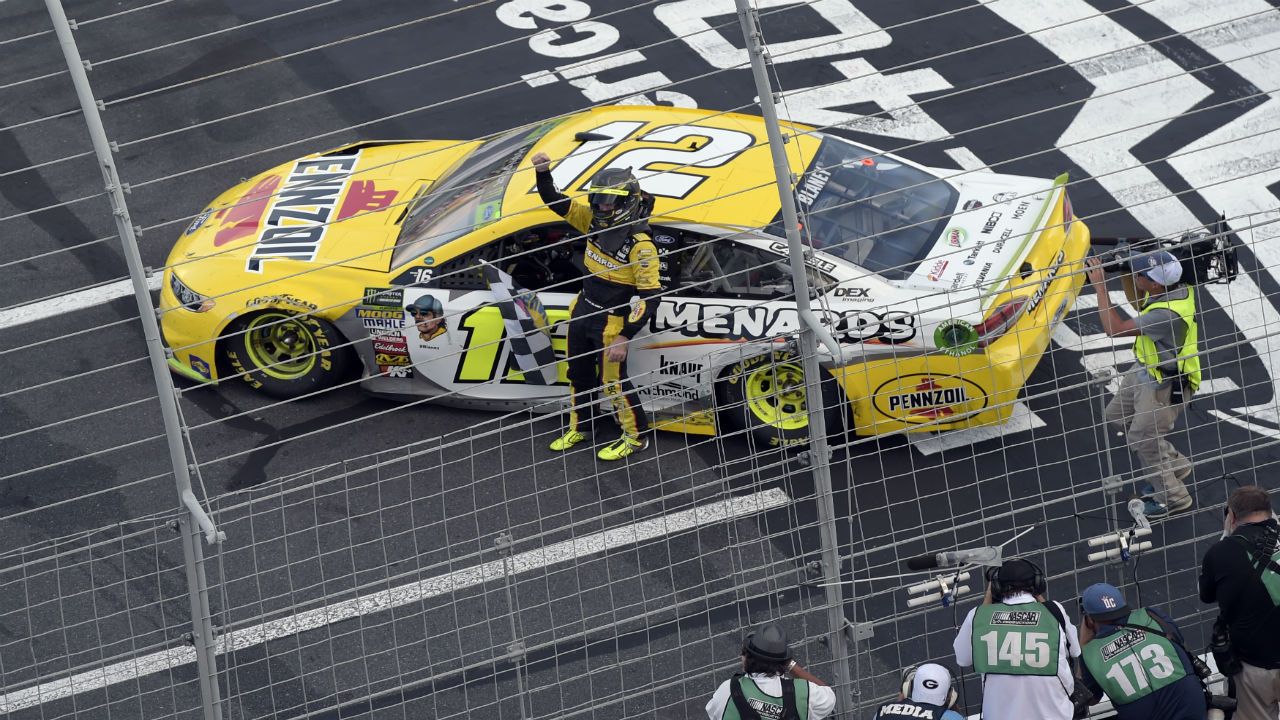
(299, 215)
(811, 186)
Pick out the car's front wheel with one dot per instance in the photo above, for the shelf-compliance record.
(766, 397)
(286, 355)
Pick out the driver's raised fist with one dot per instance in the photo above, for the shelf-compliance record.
(541, 161)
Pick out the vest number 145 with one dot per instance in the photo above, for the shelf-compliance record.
(1011, 652)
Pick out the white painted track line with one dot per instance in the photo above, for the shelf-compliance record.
(634, 533)
(1021, 419)
(71, 302)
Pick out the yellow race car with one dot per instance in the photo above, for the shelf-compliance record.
(942, 288)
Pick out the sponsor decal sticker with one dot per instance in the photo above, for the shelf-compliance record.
(396, 371)
(283, 299)
(1004, 197)
(201, 367)
(681, 368)
(195, 224)
(391, 359)
(391, 344)
(935, 272)
(380, 313)
(973, 204)
(1037, 297)
(241, 219)
(956, 337)
(302, 210)
(670, 390)
(922, 397)
(817, 262)
(364, 197)
(955, 236)
(854, 294)
(384, 297)
(992, 221)
(732, 323)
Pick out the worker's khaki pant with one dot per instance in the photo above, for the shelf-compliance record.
(1257, 693)
(1145, 415)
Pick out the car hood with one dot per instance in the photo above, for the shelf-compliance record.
(342, 207)
(995, 219)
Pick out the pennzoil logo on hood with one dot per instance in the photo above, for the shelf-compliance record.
(290, 216)
(921, 398)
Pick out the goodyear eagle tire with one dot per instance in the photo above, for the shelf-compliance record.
(285, 355)
(766, 397)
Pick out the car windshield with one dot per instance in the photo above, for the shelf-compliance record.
(869, 209)
(468, 197)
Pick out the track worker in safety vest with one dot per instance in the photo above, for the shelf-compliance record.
(1241, 572)
(622, 264)
(1137, 658)
(771, 685)
(1153, 392)
(1021, 645)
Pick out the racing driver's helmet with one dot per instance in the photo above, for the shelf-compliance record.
(615, 197)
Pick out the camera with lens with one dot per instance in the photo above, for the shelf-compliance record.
(1207, 255)
(1220, 645)
(1220, 706)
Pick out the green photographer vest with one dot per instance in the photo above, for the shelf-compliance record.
(1188, 361)
(762, 704)
(1131, 664)
(1015, 639)
(1267, 567)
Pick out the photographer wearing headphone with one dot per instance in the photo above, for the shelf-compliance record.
(928, 691)
(1021, 644)
(1241, 573)
(763, 690)
(1138, 659)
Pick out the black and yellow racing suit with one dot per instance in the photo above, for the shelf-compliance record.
(622, 262)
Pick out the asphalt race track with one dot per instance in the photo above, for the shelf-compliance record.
(1187, 85)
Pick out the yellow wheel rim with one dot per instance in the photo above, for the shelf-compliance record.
(279, 346)
(776, 396)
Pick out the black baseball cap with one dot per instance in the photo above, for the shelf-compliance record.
(1016, 570)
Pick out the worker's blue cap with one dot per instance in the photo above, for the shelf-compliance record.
(1104, 602)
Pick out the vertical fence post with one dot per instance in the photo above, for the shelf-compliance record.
(811, 332)
(516, 650)
(194, 517)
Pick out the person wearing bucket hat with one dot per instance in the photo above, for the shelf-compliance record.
(927, 692)
(771, 685)
(1137, 658)
(1156, 388)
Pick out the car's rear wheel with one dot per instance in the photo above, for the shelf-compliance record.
(286, 355)
(766, 397)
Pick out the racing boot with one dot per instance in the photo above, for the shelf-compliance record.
(622, 448)
(567, 440)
